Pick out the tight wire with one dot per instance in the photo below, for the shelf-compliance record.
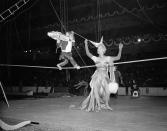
(89, 66)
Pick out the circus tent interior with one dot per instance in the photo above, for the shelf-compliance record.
(36, 92)
(140, 25)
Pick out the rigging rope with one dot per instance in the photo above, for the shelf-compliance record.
(50, 1)
(65, 30)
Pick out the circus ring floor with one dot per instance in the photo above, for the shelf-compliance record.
(54, 114)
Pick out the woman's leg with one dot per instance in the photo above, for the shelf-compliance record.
(97, 97)
(107, 94)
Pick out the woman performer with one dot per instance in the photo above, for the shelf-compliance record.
(99, 95)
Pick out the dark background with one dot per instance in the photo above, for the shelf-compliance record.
(24, 38)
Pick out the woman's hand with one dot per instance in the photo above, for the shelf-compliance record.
(86, 41)
(87, 49)
(120, 46)
(118, 57)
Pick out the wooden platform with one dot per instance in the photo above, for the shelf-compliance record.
(129, 114)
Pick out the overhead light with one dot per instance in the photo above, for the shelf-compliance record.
(139, 39)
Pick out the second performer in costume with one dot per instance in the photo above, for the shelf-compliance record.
(99, 95)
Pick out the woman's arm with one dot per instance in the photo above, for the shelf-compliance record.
(87, 49)
(118, 57)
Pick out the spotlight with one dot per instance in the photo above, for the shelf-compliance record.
(139, 39)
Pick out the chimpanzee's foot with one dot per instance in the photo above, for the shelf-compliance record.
(59, 67)
(77, 67)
